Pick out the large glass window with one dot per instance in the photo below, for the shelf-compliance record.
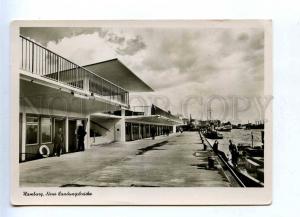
(32, 130)
(46, 130)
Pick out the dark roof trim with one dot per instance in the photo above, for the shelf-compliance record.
(116, 59)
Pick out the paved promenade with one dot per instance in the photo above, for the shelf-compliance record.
(177, 160)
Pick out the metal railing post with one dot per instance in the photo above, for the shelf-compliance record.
(32, 58)
(57, 69)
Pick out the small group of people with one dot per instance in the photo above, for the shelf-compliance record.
(232, 149)
(166, 131)
(153, 132)
(58, 148)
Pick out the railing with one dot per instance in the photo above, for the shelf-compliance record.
(154, 110)
(158, 111)
(144, 109)
(41, 61)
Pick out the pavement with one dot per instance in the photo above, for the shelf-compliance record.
(177, 160)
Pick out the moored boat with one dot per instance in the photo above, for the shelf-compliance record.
(224, 128)
(250, 167)
(211, 134)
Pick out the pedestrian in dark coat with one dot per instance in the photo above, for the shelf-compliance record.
(80, 136)
(234, 153)
(215, 146)
(153, 132)
(58, 142)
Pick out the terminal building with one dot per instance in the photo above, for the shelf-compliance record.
(57, 93)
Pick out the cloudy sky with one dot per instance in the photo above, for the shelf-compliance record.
(186, 67)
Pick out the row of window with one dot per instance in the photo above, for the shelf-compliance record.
(136, 131)
(36, 124)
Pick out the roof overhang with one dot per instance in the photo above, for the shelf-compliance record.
(46, 82)
(115, 71)
(155, 119)
(105, 116)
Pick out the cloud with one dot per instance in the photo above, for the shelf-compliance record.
(83, 49)
(44, 35)
(113, 38)
(133, 46)
(175, 62)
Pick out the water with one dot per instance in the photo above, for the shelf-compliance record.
(239, 136)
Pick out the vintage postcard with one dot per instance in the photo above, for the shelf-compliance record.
(141, 112)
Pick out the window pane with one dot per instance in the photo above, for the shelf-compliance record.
(32, 119)
(31, 133)
(46, 129)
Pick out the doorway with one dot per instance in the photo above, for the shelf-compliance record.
(128, 131)
(72, 136)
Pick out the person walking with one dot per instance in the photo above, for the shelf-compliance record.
(80, 136)
(58, 142)
(153, 132)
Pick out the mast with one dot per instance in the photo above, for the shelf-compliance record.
(209, 114)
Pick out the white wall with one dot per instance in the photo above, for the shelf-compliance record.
(107, 136)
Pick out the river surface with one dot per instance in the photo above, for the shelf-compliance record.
(239, 136)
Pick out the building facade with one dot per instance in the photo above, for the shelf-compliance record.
(56, 93)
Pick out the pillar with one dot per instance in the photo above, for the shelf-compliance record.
(120, 128)
(140, 135)
(174, 128)
(23, 150)
(131, 131)
(67, 134)
(120, 133)
(86, 83)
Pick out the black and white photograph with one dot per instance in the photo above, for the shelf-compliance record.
(183, 105)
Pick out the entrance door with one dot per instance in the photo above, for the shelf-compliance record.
(135, 132)
(128, 131)
(72, 136)
(60, 123)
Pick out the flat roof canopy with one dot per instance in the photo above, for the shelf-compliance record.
(105, 116)
(116, 72)
(155, 119)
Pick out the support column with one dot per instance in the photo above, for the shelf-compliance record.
(23, 150)
(86, 83)
(120, 128)
(140, 131)
(131, 131)
(174, 128)
(67, 134)
(120, 133)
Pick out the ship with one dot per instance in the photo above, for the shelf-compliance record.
(212, 134)
(258, 125)
(250, 167)
(226, 128)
